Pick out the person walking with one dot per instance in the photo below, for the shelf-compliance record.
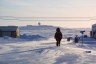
(58, 36)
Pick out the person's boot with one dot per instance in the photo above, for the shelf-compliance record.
(59, 44)
(56, 43)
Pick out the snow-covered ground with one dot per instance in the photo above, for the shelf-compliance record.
(46, 52)
(37, 49)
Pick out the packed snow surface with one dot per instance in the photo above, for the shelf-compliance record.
(46, 52)
(38, 46)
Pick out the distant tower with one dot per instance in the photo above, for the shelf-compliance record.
(39, 24)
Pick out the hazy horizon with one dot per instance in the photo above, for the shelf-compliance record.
(57, 23)
(49, 8)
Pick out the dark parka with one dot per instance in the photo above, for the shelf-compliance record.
(58, 35)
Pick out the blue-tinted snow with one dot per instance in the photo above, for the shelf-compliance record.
(36, 45)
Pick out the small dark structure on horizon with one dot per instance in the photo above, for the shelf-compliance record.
(39, 24)
(12, 31)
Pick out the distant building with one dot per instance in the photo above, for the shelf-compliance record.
(93, 32)
(12, 31)
(29, 25)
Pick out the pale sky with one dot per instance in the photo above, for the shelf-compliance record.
(49, 8)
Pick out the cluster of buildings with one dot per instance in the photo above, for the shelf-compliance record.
(14, 31)
(11, 31)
